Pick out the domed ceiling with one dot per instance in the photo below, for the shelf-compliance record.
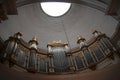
(79, 20)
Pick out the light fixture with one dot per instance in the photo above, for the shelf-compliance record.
(55, 9)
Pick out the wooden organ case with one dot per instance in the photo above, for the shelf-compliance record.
(58, 58)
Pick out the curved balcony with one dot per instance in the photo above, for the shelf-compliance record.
(59, 58)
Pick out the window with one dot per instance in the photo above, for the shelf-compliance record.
(55, 9)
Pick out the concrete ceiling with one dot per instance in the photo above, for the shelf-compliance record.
(97, 4)
(80, 20)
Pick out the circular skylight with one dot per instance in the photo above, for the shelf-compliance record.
(55, 9)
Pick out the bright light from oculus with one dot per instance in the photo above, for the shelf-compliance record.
(55, 9)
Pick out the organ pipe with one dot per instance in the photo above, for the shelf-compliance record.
(59, 57)
(32, 58)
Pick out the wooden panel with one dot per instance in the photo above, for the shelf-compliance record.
(108, 73)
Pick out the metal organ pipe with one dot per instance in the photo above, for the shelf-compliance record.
(32, 58)
(12, 45)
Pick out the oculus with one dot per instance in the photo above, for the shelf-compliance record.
(55, 9)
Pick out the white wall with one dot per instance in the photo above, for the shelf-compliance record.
(79, 20)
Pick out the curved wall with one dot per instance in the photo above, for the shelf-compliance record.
(79, 20)
(109, 73)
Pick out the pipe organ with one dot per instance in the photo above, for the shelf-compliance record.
(87, 55)
(32, 57)
(59, 60)
(58, 57)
